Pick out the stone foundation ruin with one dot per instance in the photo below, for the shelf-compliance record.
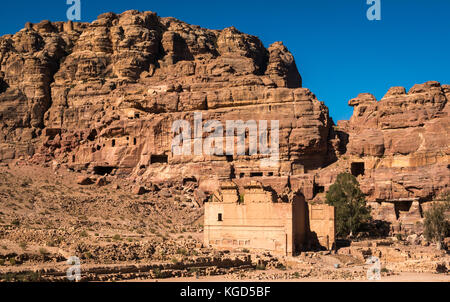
(255, 217)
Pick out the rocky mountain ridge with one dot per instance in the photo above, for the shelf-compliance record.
(101, 97)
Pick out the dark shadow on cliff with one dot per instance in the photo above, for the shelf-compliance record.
(337, 142)
(3, 86)
(377, 229)
(312, 240)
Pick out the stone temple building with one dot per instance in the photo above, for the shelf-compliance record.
(256, 217)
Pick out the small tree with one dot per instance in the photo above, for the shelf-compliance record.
(437, 227)
(351, 208)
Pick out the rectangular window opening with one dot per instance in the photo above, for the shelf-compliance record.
(159, 159)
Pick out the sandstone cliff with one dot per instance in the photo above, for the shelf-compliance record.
(399, 149)
(103, 96)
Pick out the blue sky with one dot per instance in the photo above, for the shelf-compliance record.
(338, 51)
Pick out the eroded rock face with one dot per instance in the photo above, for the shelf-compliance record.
(400, 148)
(104, 96)
(403, 141)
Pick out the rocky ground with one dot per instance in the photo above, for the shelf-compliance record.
(121, 231)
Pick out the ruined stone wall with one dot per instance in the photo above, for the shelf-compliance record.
(260, 219)
(265, 226)
(254, 221)
(322, 224)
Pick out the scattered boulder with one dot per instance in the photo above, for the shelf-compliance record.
(153, 188)
(446, 244)
(139, 190)
(414, 239)
(84, 181)
(441, 268)
(101, 182)
(166, 193)
(200, 197)
(55, 166)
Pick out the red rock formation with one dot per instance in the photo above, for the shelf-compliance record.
(119, 83)
(103, 97)
(400, 145)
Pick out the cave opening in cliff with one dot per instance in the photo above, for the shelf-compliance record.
(113, 143)
(3, 86)
(358, 169)
(318, 189)
(159, 159)
(256, 174)
(92, 135)
(103, 170)
(229, 158)
(188, 180)
(402, 208)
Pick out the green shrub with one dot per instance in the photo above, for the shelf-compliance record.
(51, 243)
(437, 227)
(182, 252)
(157, 273)
(21, 277)
(281, 267)
(351, 209)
